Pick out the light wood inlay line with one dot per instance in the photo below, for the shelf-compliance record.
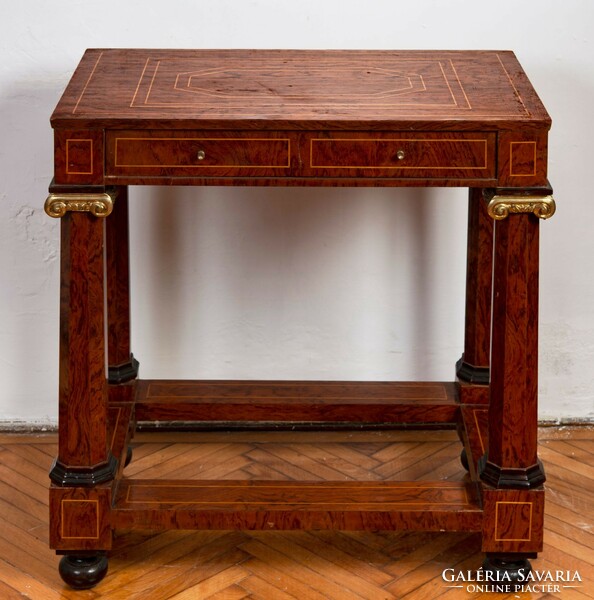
(187, 88)
(90, 172)
(294, 489)
(139, 82)
(501, 539)
(397, 165)
(478, 429)
(511, 160)
(203, 166)
(87, 83)
(469, 107)
(71, 537)
(518, 95)
(448, 83)
(388, 93)
(152, 82)
(440, 392)
(115, 426)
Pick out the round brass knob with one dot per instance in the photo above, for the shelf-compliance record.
(400, 154)
(201, 155)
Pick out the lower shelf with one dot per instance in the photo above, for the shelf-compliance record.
(396, 478)
(296, 401)
(375, 503)
(251, 505)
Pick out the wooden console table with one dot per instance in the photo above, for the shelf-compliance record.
(299, 118)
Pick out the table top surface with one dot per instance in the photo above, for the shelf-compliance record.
(300, 89)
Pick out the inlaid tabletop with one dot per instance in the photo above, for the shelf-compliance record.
(299, 89)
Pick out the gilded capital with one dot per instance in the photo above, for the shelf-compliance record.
(500, 207)
(99, 205)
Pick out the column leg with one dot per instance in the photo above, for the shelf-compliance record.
(512, 460)
(84, 457)
(80, 494)
(472, 370)
(122, 364)
(473, 366)
(511, 474)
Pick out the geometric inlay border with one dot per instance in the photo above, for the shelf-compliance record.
(499, 536)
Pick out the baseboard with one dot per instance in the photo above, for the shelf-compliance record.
(25, 427)
(567, 422)
(28, 426)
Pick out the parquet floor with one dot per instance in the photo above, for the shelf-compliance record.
(229, 565)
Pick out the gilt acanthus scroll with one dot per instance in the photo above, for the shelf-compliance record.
(99, 205)
(501, 206)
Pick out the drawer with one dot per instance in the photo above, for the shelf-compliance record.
(195, 154)
(420, 155)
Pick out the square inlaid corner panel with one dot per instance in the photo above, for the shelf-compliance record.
(513, 520)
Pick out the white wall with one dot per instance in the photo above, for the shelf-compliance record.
(292, 283)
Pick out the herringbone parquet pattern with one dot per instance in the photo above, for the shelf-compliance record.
(287, 565)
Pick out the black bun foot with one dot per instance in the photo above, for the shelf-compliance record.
(513, 571)
(83, 572)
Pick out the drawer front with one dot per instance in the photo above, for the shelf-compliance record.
(196, 154)
(404, 155)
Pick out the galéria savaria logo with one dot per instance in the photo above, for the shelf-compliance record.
(524, 580)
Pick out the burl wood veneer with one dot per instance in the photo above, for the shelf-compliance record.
(299, 118)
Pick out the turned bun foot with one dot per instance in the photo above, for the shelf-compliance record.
(512, 571)
(83, 572)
